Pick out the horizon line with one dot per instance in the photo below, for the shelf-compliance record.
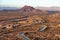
(29, 5)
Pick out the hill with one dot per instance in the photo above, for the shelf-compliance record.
(26, 10)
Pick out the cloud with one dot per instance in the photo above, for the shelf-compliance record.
(19, 3)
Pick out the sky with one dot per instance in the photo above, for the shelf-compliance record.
(34, 3)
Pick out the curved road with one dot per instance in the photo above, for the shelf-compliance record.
(43, 28)
(25, 38)
(22, 36)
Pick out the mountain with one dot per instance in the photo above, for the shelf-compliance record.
(8, 8)
(32, 10)
(49, 8)
(26, 10)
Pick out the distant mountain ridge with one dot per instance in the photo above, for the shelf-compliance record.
(8, 8)
(27, 7)
(49, 8)
(26, 10)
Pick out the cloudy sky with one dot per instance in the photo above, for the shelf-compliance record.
(20, 3)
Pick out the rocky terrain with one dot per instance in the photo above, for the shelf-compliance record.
(29, 23)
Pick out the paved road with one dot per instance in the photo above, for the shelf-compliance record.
(43, 28)
(22, 36)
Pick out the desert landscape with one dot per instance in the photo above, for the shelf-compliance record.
(29, 23)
